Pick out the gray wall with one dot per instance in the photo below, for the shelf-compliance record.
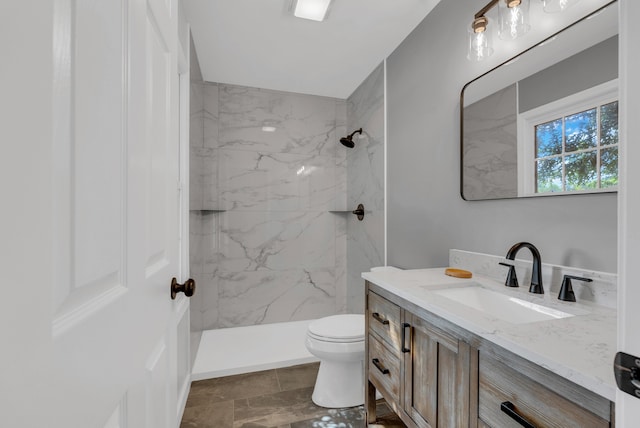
(426, 215)
(584, 70)
(365, 185)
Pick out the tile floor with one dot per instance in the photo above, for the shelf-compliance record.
(279, 398)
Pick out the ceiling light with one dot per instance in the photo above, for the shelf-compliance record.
(316, 10)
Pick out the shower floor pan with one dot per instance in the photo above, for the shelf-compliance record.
(231, 351)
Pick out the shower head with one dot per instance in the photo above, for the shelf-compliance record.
(348, 140)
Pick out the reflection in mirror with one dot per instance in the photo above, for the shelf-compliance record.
(545, 122)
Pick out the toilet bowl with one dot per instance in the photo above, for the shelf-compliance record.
(338, 341)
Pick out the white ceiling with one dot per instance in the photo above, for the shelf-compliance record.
(259, 43)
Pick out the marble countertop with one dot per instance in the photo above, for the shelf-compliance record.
(579, 348)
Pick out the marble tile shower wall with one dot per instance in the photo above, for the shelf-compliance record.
(276, 253)
(365, 177)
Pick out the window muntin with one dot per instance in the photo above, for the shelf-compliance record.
(578, 151)
(570, 145)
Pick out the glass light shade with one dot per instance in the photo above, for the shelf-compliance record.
(553, 6)
(514, 21)
(479, 45)
(316, 10)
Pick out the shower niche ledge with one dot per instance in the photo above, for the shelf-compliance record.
(207, 211)
(359, 211)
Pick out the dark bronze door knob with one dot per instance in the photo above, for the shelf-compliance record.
(188, 288)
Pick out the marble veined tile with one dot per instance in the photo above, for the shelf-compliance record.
(263, 297)
(365, 178)
(252, 241)
(196, 107)
(203, 176)
(365, 249)
(341, 156)
(196, 184)
(304, 123)
(210, 114)
(341, 263)
(196, 253)
(490, 150)
(276, 181)
(363, 104)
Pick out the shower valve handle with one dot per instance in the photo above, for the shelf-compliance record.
(188, 288)
(359, 211)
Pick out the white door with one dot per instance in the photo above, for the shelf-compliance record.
(627, 406)
(90, 220)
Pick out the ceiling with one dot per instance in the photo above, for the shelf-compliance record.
(259, 43)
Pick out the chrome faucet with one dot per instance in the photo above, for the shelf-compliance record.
(536, 269)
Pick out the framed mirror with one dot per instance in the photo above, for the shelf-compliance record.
(546, 122)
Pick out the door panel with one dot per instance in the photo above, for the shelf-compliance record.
(158, 401)
(90, 228)
(89, 142)
(115, 214)
(421, 375)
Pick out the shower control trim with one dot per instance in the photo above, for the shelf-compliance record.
(359, 212)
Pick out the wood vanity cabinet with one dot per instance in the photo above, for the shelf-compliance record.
(435, 374)
(538, 397)
(422, 370)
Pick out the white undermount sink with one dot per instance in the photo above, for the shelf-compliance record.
(502, 306)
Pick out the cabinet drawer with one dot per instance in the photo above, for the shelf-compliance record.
(384, 368)
(537, 404)
(384, 319)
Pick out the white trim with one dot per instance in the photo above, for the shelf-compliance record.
(384, 145)
(628, 407)
(183, 174)
(589, 98)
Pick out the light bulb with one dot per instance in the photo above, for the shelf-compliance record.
(479, 41)
(514, 19)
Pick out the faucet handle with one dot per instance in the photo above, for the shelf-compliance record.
(566, 290)
(512, 279)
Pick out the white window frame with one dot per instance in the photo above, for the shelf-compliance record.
(575, 103)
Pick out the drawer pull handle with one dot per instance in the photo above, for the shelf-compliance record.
(404, 336)
(508, 408)
(378, 318)
(383, 370)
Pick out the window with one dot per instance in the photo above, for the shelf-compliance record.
(571, 144)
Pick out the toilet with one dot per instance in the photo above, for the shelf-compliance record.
(338, 341)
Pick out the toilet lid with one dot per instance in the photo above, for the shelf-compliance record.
(339, 328)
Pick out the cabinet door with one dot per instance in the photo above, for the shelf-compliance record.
(436, 387)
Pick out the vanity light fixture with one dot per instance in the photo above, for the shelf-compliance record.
(513, 22)
(315, 10)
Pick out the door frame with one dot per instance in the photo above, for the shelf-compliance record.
(628, 407)
(182, 308)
